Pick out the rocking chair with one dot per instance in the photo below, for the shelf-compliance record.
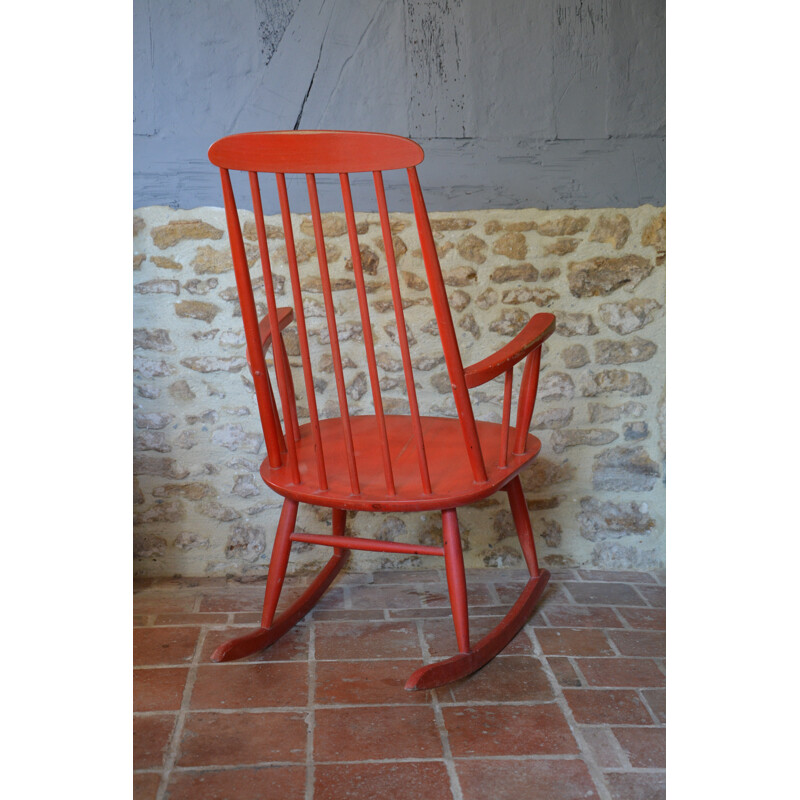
(379, 462)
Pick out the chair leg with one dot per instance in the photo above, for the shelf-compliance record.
(522, 522)
(272, 629)
(278, 561)
(472, 658)
(456, 579)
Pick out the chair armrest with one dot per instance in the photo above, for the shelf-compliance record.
(531, 336)
(285, 316)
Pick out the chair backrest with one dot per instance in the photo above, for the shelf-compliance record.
(337, 152)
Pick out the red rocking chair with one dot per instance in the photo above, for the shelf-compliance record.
(379, 462)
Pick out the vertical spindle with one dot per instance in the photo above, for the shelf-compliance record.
(330, 315)
(366, 327)
(264, 397)
(402, 334)
(302, 332)
(282, 371)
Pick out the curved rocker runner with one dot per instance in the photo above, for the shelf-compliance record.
(372, 462)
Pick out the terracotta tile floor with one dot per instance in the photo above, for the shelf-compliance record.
(573, 708)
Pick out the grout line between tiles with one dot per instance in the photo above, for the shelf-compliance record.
(619, 750)
(625, 624)
(643, 700)
(449, 763)
(412, 760)
(173, 746)
(584, 751)
(310, 713)
(611, 643)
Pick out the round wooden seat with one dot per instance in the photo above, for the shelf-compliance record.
(444, 440)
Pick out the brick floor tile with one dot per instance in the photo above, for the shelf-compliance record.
(423, 613)
(375, 732)
(406, 576)
(582, 617)
(564, 671)
(191, 619)
(141, 620)
(444, 612)
(240, 737)
(366, 682)
(323, 614)
(292, 646)
(637, 785)
(145, 785)
(478, 594)
(400, 595)
(151, 734)
(441, 637)
(409, 780)
(333, 598)
(162, 603)
(509, 679)
(607, 707)
(553, 593)
(563, 573)
(247, 783)
(248, 600)
(657, 700)
(365, 639)
(639, 643)
(492, 575)
(158, 689)
(645, 747)
(605, 593)
(603, 745)
(250, 618)
(652, 619)
(633, 672)
(616, 576)
(539, 779)
(574, 642)
(510, 730)
(656, 596)
(237, 685)
(153, 646)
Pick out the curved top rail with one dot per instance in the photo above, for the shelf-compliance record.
(315, 151)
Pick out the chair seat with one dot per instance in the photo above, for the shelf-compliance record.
(452, 482)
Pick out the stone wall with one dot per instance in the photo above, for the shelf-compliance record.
(596, 491)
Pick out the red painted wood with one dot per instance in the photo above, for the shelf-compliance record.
(285, 317)
(441, 305)
(539, 328)
(278, 561)
(456, 579)
(402, 335)
(366, 329)
(374, 545)
(527, 397)
(308, 376)
(282, 371)
(452, 483)
(522, 523)
(463, 664)
(244, 287)
(373, 462)
(243, 646)
(314, 151)
(509, 381)
(330, 315)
